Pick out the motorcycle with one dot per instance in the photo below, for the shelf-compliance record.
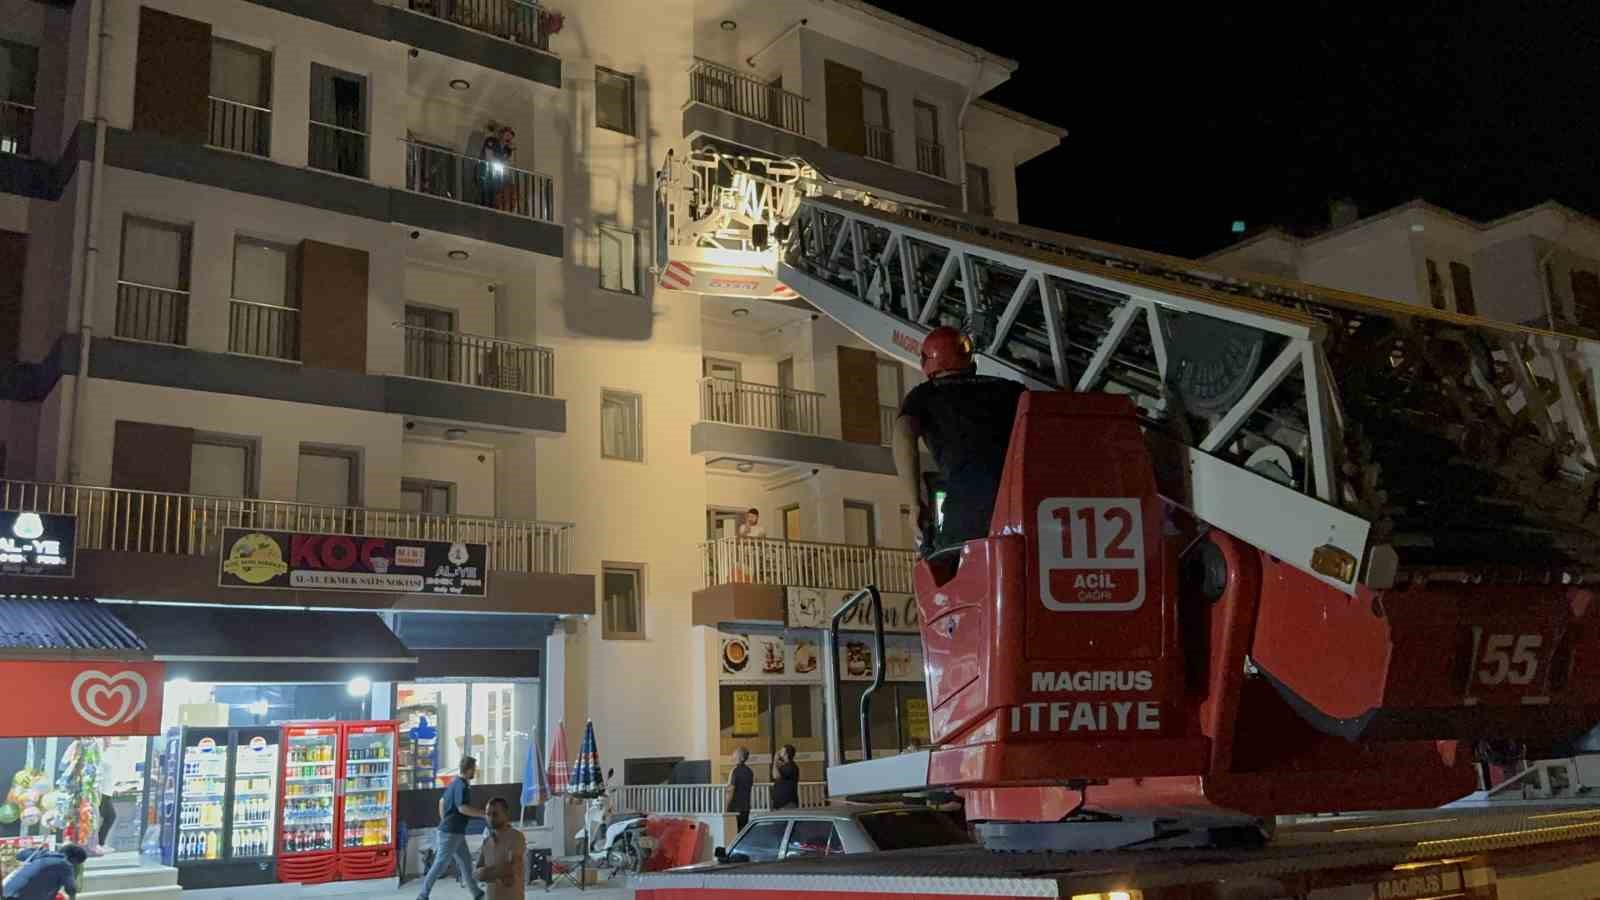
(621, 844)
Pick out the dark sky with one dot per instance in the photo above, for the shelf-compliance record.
(1185, 121)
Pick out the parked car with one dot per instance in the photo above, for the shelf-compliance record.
(842, 828)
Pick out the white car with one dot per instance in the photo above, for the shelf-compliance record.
(842, 828)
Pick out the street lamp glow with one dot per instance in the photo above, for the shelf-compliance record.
(359, 686)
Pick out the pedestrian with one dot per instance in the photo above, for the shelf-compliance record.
(503, 858)
(455, 808)
(741, 783)
(785, 779)
(108, 818)
(45, 873)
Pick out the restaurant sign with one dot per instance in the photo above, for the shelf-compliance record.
(37, 544)
(254, 558)
(814, 607)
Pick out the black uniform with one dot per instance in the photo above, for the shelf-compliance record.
(966, 422)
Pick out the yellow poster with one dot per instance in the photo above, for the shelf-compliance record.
(747, 714)
(917, 720)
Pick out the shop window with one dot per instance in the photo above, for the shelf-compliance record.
(613, 100)
(622, 426)
(491, 720)
(434, 498)
(222, 466)
(762, 718)
(623, 603)
(328, 476)
(619, 260)
(445, 706)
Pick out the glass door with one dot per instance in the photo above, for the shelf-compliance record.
(368, 786)
(310, 763)
(204, 790)
(255, 793)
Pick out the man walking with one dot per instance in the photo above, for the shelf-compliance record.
(741, 782)
(45, 873)
(455, 808)
(503, 858)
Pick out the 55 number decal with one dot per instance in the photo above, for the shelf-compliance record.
(1506, 658)
(1091, 554)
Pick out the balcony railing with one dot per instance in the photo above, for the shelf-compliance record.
(930, 157)
(478, 361)
(189, 524)
(760, 406)
(880, 143)
(518, 21)
(16, 128)
(732, 90)
(263, 329)
(705, 799)
(806, 564)
(149, 313)
(240, 127)
(440, 173)
(886, 419)
(335, 148)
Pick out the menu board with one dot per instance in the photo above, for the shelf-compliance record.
(746, 713)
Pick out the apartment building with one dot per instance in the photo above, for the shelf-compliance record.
(1539, 266)
(270, 278)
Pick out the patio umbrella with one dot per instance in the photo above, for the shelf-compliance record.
(535, 790)
(558, 770)
(586, 779)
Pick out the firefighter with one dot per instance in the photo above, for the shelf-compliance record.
(965, 419)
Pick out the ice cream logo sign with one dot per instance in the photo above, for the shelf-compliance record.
(37, 544)
(342, 562)
(106, 701)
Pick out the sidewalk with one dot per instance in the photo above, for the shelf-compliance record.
(385, 889)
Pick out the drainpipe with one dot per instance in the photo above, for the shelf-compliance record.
(91, 249)
(961, 133)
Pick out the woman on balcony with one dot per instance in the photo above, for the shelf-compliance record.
(494, 170)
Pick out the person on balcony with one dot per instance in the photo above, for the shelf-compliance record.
(751, 526)
(495, 166)
(965, 419)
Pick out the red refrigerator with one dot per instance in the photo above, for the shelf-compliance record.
(338, 810)
(366, 802)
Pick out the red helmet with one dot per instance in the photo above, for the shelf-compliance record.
(945, 350)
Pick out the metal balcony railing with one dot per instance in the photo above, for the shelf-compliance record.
(189, 524)
(732, 90)
(16, 128)
(335, 148)
(806, 564)
(240, 127)
(886, 419)
(760, 406)
(440, 173)
(705, 799)
(930, 157)
(519, 21)
(263, 329)
(149, 313)
(880, 143)
(479, 361)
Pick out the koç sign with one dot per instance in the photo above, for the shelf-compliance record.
(254, 558)
(37, 544)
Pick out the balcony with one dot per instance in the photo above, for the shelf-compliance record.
(263, 329)
(477, 361)
(338, 149)
(240, 127)
(731, 90)
(930, 157)
(153, 314)
(880, 143)
(437, 172)
(753, 405)
(518, 21)
(16, 128)
(806, 564)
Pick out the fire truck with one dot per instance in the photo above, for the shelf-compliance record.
(1261, 549)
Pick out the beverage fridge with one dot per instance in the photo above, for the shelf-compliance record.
(338, 806)
(218, 804)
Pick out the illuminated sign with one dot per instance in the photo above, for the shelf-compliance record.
(342, 562)
(37, 544)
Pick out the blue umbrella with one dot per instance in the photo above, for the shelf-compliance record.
(535, 790)
(586, 780)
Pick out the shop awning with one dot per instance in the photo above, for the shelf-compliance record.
(210, 643)
(64, 628)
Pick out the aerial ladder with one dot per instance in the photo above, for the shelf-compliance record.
(1352, 537)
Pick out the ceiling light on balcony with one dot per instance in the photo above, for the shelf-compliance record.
(460, 84)
(729, 24)
(459, 254)
(740, 313)
(746, 467)
(454, 434)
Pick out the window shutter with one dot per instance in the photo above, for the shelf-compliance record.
(172, 77)
(847, 126)
(1461, 278)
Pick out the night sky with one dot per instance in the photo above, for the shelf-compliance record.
(1182, 122)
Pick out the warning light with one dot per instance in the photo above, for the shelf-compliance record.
(1238, 226)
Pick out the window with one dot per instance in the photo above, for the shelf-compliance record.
(930, 153)
(978, 197)
(222, 466)
(430, 497)
(622, 426)
(1435, 285)
(619, 260)
(789, 520)
(860, 525)
(762, 841)
(153, 287)
(430, 347)
(1586, 298)
(241, 97)
(905, 829)
(622, 585)
(338, 121)
(328, 476)
(1461, 279)
(499, 739)
(2, 459)
(613, 100)
(262, 318)
(875, 112)
(810, 838)
(19, 76)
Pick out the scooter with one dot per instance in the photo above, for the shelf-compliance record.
(622, 844)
